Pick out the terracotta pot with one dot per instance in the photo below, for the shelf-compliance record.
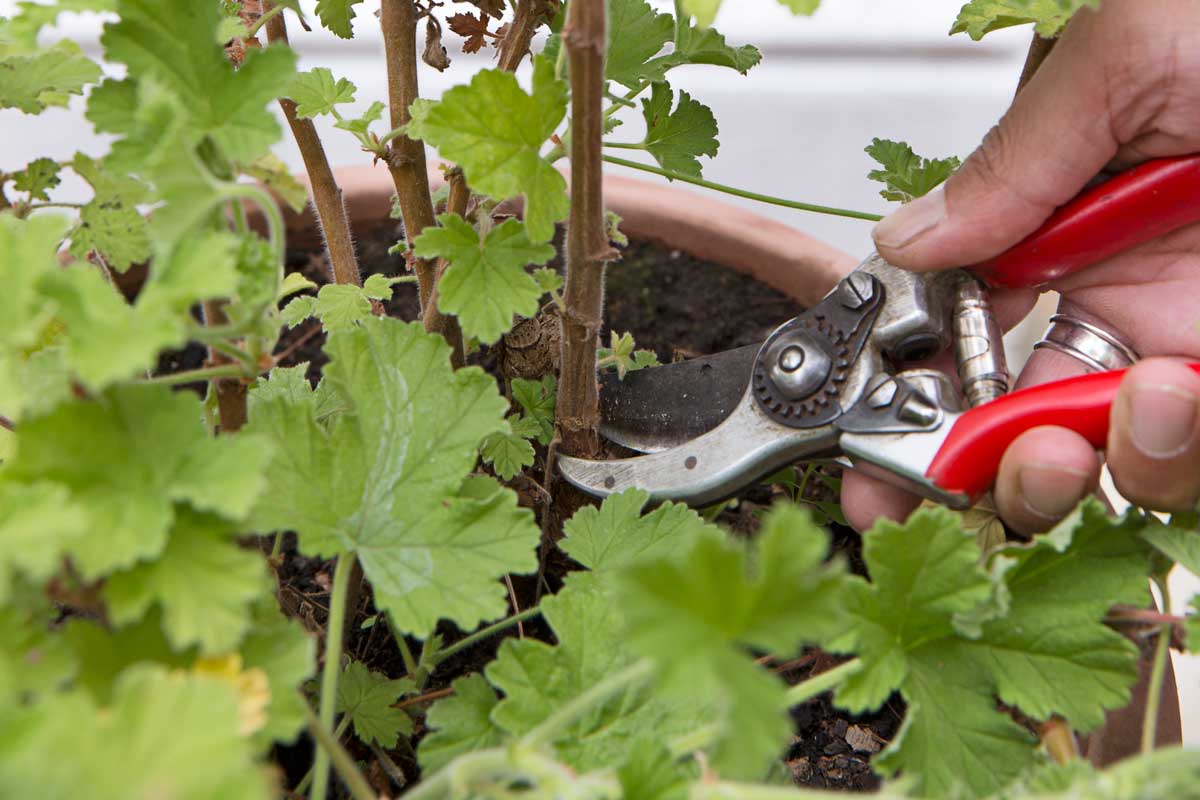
(781, 257)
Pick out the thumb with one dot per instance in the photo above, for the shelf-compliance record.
(1054, 139)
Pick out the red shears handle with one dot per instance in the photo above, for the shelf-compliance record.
(1136, 206)
(969, 459)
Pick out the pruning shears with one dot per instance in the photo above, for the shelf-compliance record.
(824, 385)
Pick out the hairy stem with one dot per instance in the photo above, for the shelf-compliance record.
(736, 192)
(326, 194)
(332, 667)
(578, 413)
(819, 684)
(342, 762)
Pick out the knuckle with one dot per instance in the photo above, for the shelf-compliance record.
(989, 159)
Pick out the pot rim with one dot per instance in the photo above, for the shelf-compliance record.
(794, 263)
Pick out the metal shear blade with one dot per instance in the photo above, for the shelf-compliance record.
(709, 468)
(801, 397)
(662, 407)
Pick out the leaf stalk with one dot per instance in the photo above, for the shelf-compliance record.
(733, 190)
(819, 684)
(332, 670)
(1158, 670)
(202, 374)
(346, 768)
(485, 633)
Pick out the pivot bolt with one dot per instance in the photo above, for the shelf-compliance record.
(857, 290)
(791, 358)
(798, 366)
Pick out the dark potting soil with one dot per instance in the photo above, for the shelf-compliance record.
(680, 307)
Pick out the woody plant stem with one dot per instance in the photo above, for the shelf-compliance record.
(406, 158)
(326, 195)
(516, 41)
(231, 393)
(588, 250)
(456, 203)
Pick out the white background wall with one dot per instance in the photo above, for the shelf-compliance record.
(795, 127)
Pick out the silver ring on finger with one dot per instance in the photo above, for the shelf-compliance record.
(1092, 346)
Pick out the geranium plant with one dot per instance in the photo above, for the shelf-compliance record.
(152, 517)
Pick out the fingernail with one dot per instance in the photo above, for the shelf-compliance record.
(911, 221)
(1164, 419)
(1051, 491)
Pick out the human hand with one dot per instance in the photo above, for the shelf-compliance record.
(1119, 88)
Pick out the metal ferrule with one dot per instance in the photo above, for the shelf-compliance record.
(978, 344)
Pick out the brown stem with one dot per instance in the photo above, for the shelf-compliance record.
(326, 194)
(406, 157)
(578, 412)
(456, 203)
(1039, 48)
(231, 392)
(389, 766)
(282, 356)
(520, 33)
(1144, 616)
(428, 697)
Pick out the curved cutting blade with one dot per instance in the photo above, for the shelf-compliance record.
(657, 408)
(709, 468)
